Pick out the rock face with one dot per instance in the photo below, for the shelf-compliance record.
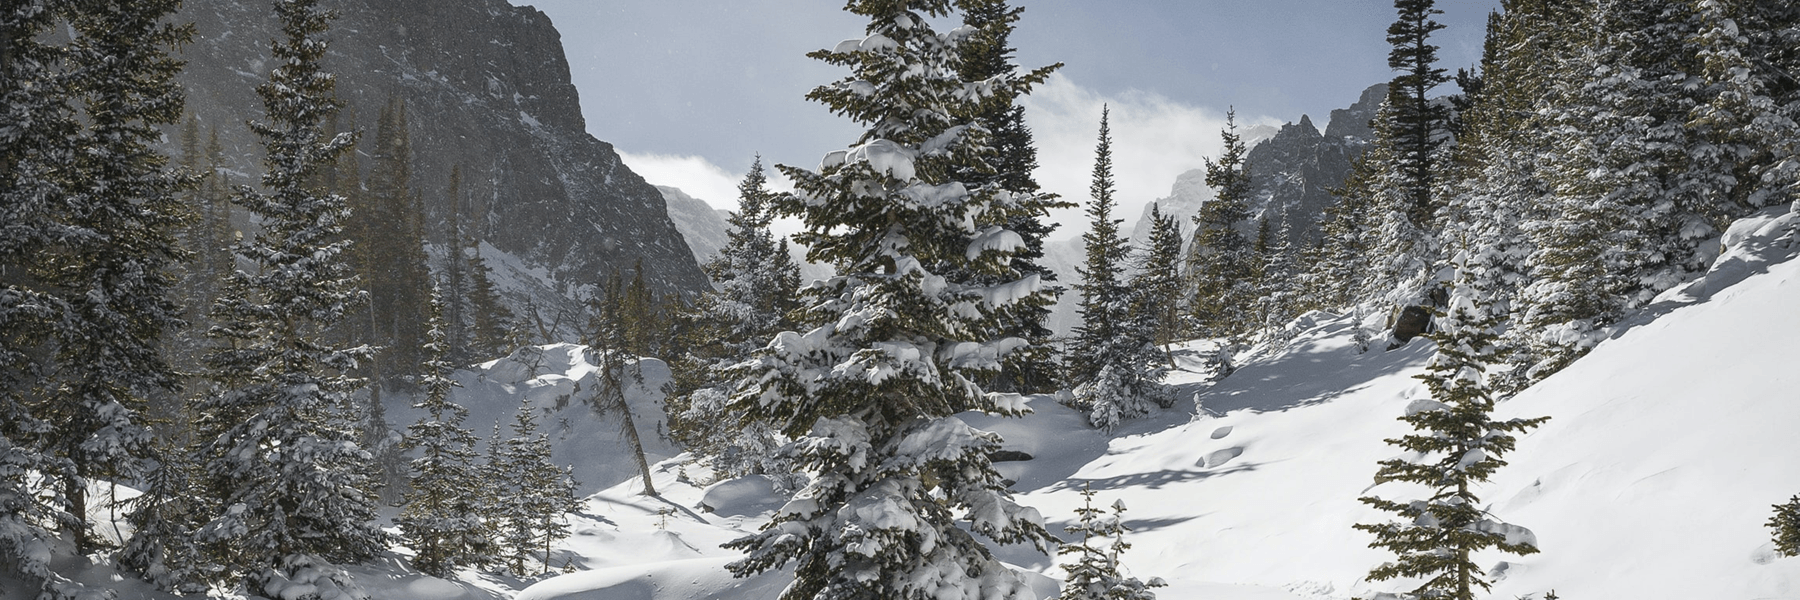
(703, 226)
(1294, 172)
(486, 87)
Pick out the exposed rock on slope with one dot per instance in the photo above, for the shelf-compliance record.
(487, 87)
(703, 226)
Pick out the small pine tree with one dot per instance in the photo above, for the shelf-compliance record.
(533, 496)
(443, 518)
(1158, 283)
(1786, 526)
(618, 368)
(162, 549)
(1095, 574)
(1456, 446)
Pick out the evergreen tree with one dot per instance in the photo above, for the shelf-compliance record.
(618, 367)
(281, 447)
(758, 284)
(984, 56)
(1786, 526)
(1276, 285)
(36, 152)
(116, 275)
(534, 496)
(868, 395)
(1115, 366)
(1221, 263)
(392, 253)
(1158, 283)
(443, 518)
(1337, 277)
(1415, 124)
(1095, 574)
(162, 548)
(1457, 444)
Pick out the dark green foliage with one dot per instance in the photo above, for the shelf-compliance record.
(1095, 573)
(532, 495)
(1104, 301)
(443, 520)
(1221, 263)
(1456, 445)
(1158, 285)
(282, 458)
(1786, 526)
(1416, 123)
(389, 255)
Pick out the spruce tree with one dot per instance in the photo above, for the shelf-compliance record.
(163, 549)
(1095, 574)
(868, 395)
(617, 368)
(1416, 125)
(36, 152)
(1456, 445)
(391, 250)
(1786, 527)
(1159, 282)
(1221, 263)
(443, 518)
(987, 55)
(1115, 368)
(281, 444)
(115, 276)
(758, 285)
(533, 498)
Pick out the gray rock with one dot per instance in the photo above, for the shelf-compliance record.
(487, 87)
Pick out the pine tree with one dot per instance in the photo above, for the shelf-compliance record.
(868, 396)
(116, 275)
(758, 283)
(618, 368)
(1786, 526)
(391, 252)
(1095, 573)
(1456, 445)
(1115, 367)
(533, 498)
(1221, 263)
(162, 548)
(282, 455)
(1416, 125)
(1276, 285)
(986, 55)
(443, 518)
(1159, 283)
(36, 152)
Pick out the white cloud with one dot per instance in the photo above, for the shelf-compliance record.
(1154, 139)
(697, 176)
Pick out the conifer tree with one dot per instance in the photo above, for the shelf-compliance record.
(987, 55)
(1115, 366)
(282, 452)
(1337, 276)
(1786, 527)
(1221, 263)
(1276, 285)
(618, 368)
(1095, 574)
(443, 518)
(115, 276)
(36, 151)
(758, 284)
(392, 255)
(162, 548)
(533, 498)
(868, 395)
(1415, 124)
(1103, 293)
(1159, 283)
(1456, 445)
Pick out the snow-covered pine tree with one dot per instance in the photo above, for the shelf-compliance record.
(1114, 366)
(162, 548)
(36, 150)
(1406, 162)
(1456, 445)
(1336, 276)
(281, 446)
(1221, 263)
(1158, 283)
(987, 55)
(868, 396)
(1785, 526)
(1102, 286)
(758, 285)
(533, 495)
(1095, 574)
(117, 275)
(443, 518)
(1276, 284)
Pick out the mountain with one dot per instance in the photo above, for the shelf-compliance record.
(486, 87)
(702, 226)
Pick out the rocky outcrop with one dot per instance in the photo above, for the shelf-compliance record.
(703, 226)
(486, 87)
(1294, 172)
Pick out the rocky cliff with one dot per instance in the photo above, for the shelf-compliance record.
(486, 87)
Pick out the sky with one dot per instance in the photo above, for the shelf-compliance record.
(690, 91)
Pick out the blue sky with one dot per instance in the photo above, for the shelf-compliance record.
(690, 90)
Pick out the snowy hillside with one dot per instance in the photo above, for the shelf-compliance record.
(1652, 480)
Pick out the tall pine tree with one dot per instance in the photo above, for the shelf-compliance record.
(282, 452)
(443, 520)
(868, 396)
(1221, 263)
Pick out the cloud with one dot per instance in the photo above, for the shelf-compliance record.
(1154, 139)
(700, 178)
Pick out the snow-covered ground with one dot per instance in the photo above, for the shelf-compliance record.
(1665, 450)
